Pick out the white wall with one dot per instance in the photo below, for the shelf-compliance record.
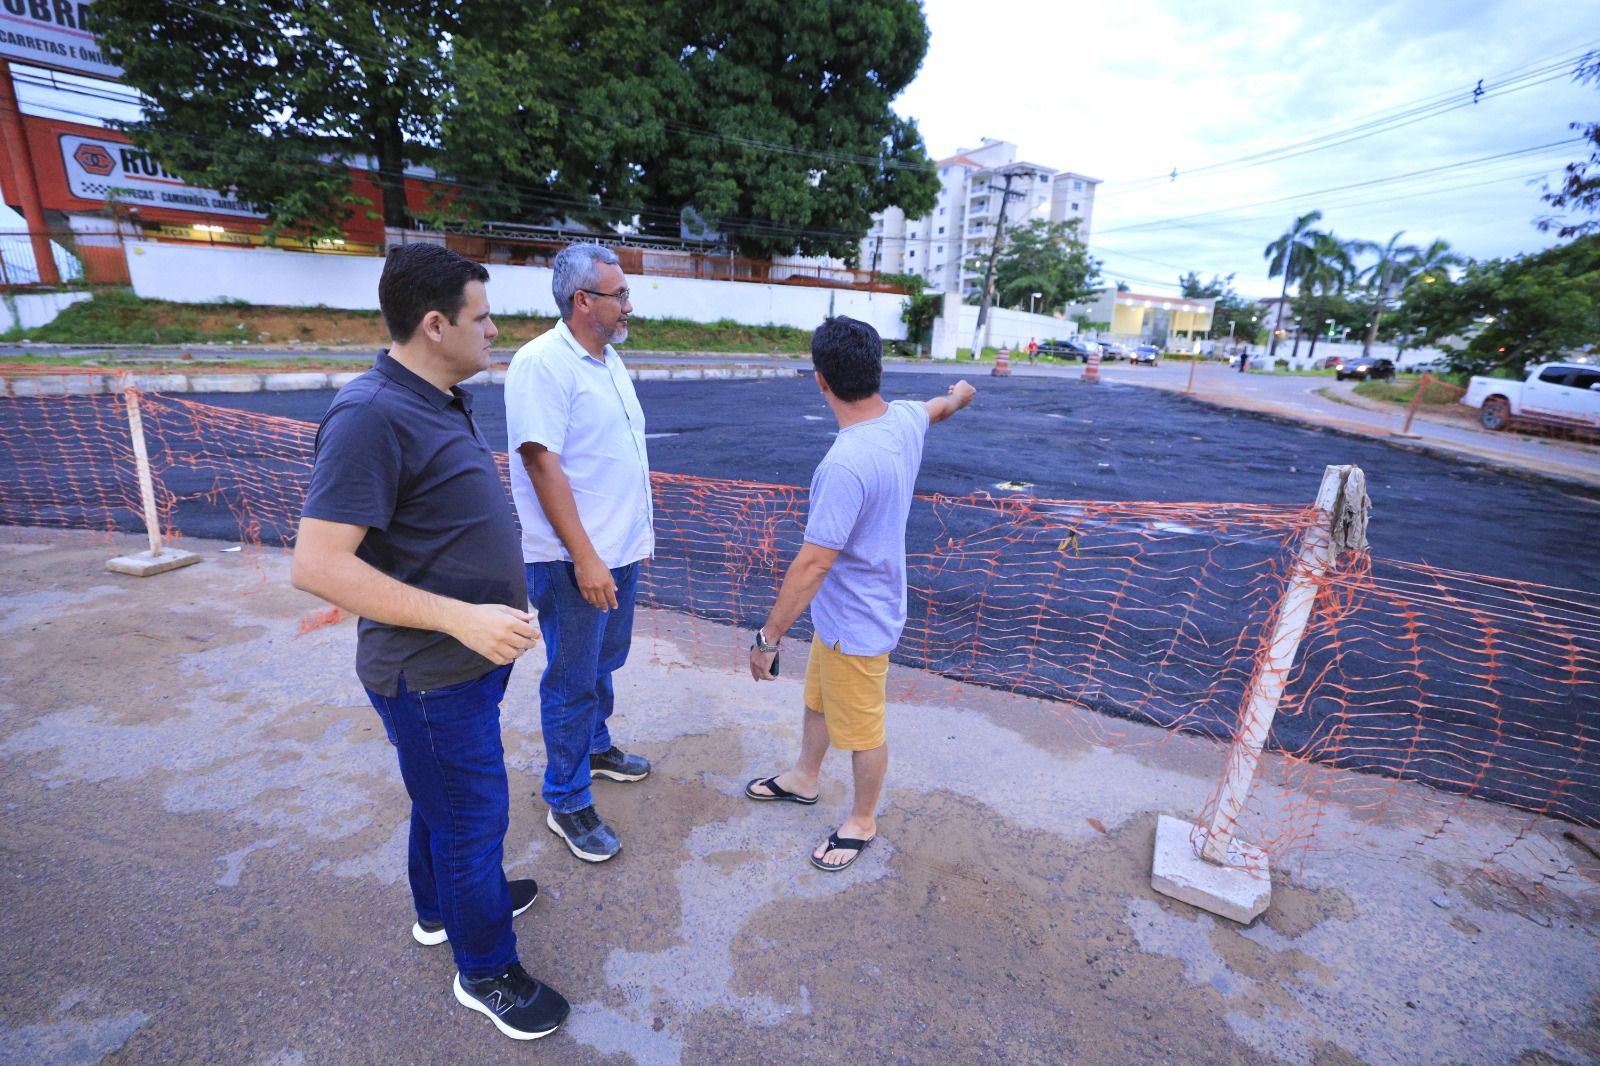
(35, 309)
(1347, 350)
(195, 274)
(1011, 328)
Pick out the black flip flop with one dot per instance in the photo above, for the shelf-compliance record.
(777, 793)
(839, 843)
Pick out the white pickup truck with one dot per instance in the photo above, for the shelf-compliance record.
(1560, 394)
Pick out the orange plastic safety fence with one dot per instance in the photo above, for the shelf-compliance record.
(1480, 688)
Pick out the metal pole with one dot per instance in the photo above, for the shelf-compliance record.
(1317, 553)
(141, 461)
(15, 139)
(1193, 363)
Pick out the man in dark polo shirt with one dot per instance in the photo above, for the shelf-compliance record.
(406, 525)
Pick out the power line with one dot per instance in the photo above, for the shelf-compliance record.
(1383, 121)
(1176, 219)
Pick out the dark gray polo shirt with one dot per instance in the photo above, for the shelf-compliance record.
(405, 460)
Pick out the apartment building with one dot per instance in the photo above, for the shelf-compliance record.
(950, 247)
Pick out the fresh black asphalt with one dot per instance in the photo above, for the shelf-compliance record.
(1106, 442)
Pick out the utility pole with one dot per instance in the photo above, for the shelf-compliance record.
(994, 254)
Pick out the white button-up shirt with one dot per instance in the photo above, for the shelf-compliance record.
(585, 410)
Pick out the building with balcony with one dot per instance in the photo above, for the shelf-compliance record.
(950, 247)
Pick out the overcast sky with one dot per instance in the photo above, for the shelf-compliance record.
(1126, 92)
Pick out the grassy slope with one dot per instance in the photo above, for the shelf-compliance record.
(118, 317)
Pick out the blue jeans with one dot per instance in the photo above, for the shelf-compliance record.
(583, 646)
(454, 767)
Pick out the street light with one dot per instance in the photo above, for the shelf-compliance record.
(1032, 296)
(1328, 322)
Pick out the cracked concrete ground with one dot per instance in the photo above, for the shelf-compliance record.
(204, 862)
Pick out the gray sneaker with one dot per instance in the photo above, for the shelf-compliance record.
(618, 765)
(589, 838)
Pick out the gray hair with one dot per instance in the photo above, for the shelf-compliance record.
(575, 269)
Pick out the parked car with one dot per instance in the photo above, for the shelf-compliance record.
(1367, 368)
(1111, 351)
(1068, 349)
(1560, 394)
(1146, 354)
(1329, 362)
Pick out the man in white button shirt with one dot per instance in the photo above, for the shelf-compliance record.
(582, 490)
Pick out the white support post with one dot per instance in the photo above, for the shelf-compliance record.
(159, 558)
(1228, 876)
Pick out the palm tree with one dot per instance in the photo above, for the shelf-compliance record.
(1376, 276)
(1331, 270)
(1289, 256)
(1431, 262)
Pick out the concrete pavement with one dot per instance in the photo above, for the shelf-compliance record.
(204, 857)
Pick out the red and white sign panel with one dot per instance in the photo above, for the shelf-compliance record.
(103, 169)
(54, 33)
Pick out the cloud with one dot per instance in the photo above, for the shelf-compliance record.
(1128, 92)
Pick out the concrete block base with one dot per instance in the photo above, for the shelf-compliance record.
(143, 564)
(1239, 891)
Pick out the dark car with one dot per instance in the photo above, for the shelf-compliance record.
(1367, 368)
(1146, 353)
(1068, 349)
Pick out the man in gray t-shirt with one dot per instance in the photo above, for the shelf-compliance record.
(852, 572)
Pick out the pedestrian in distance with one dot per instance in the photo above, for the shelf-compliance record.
(1244, 359)
(851, 571)
(581, 483)
(405, 525)
(1033, 350)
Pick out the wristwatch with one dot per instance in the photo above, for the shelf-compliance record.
(761, 644)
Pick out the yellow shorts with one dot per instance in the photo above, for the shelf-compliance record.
(849, 692)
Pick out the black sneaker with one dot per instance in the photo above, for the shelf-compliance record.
(523, 893)
(589, 838)
(520, 1007)
(619, 765)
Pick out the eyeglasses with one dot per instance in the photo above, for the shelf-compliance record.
(621, 295)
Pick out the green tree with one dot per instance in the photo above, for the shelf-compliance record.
(1380, 277)
(1289, 257)
(1431, 263)
(1328, 272)
(921, 307)
(780, 130)
(1047, 258)
(1511, 312)
(1579, 191)
(275, 98)
(1232, 315)
(556, 108)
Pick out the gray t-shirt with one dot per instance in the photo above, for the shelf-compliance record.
(860, 497)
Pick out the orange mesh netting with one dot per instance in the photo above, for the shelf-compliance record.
(1481, 688)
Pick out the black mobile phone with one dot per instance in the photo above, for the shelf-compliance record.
(775, 656)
